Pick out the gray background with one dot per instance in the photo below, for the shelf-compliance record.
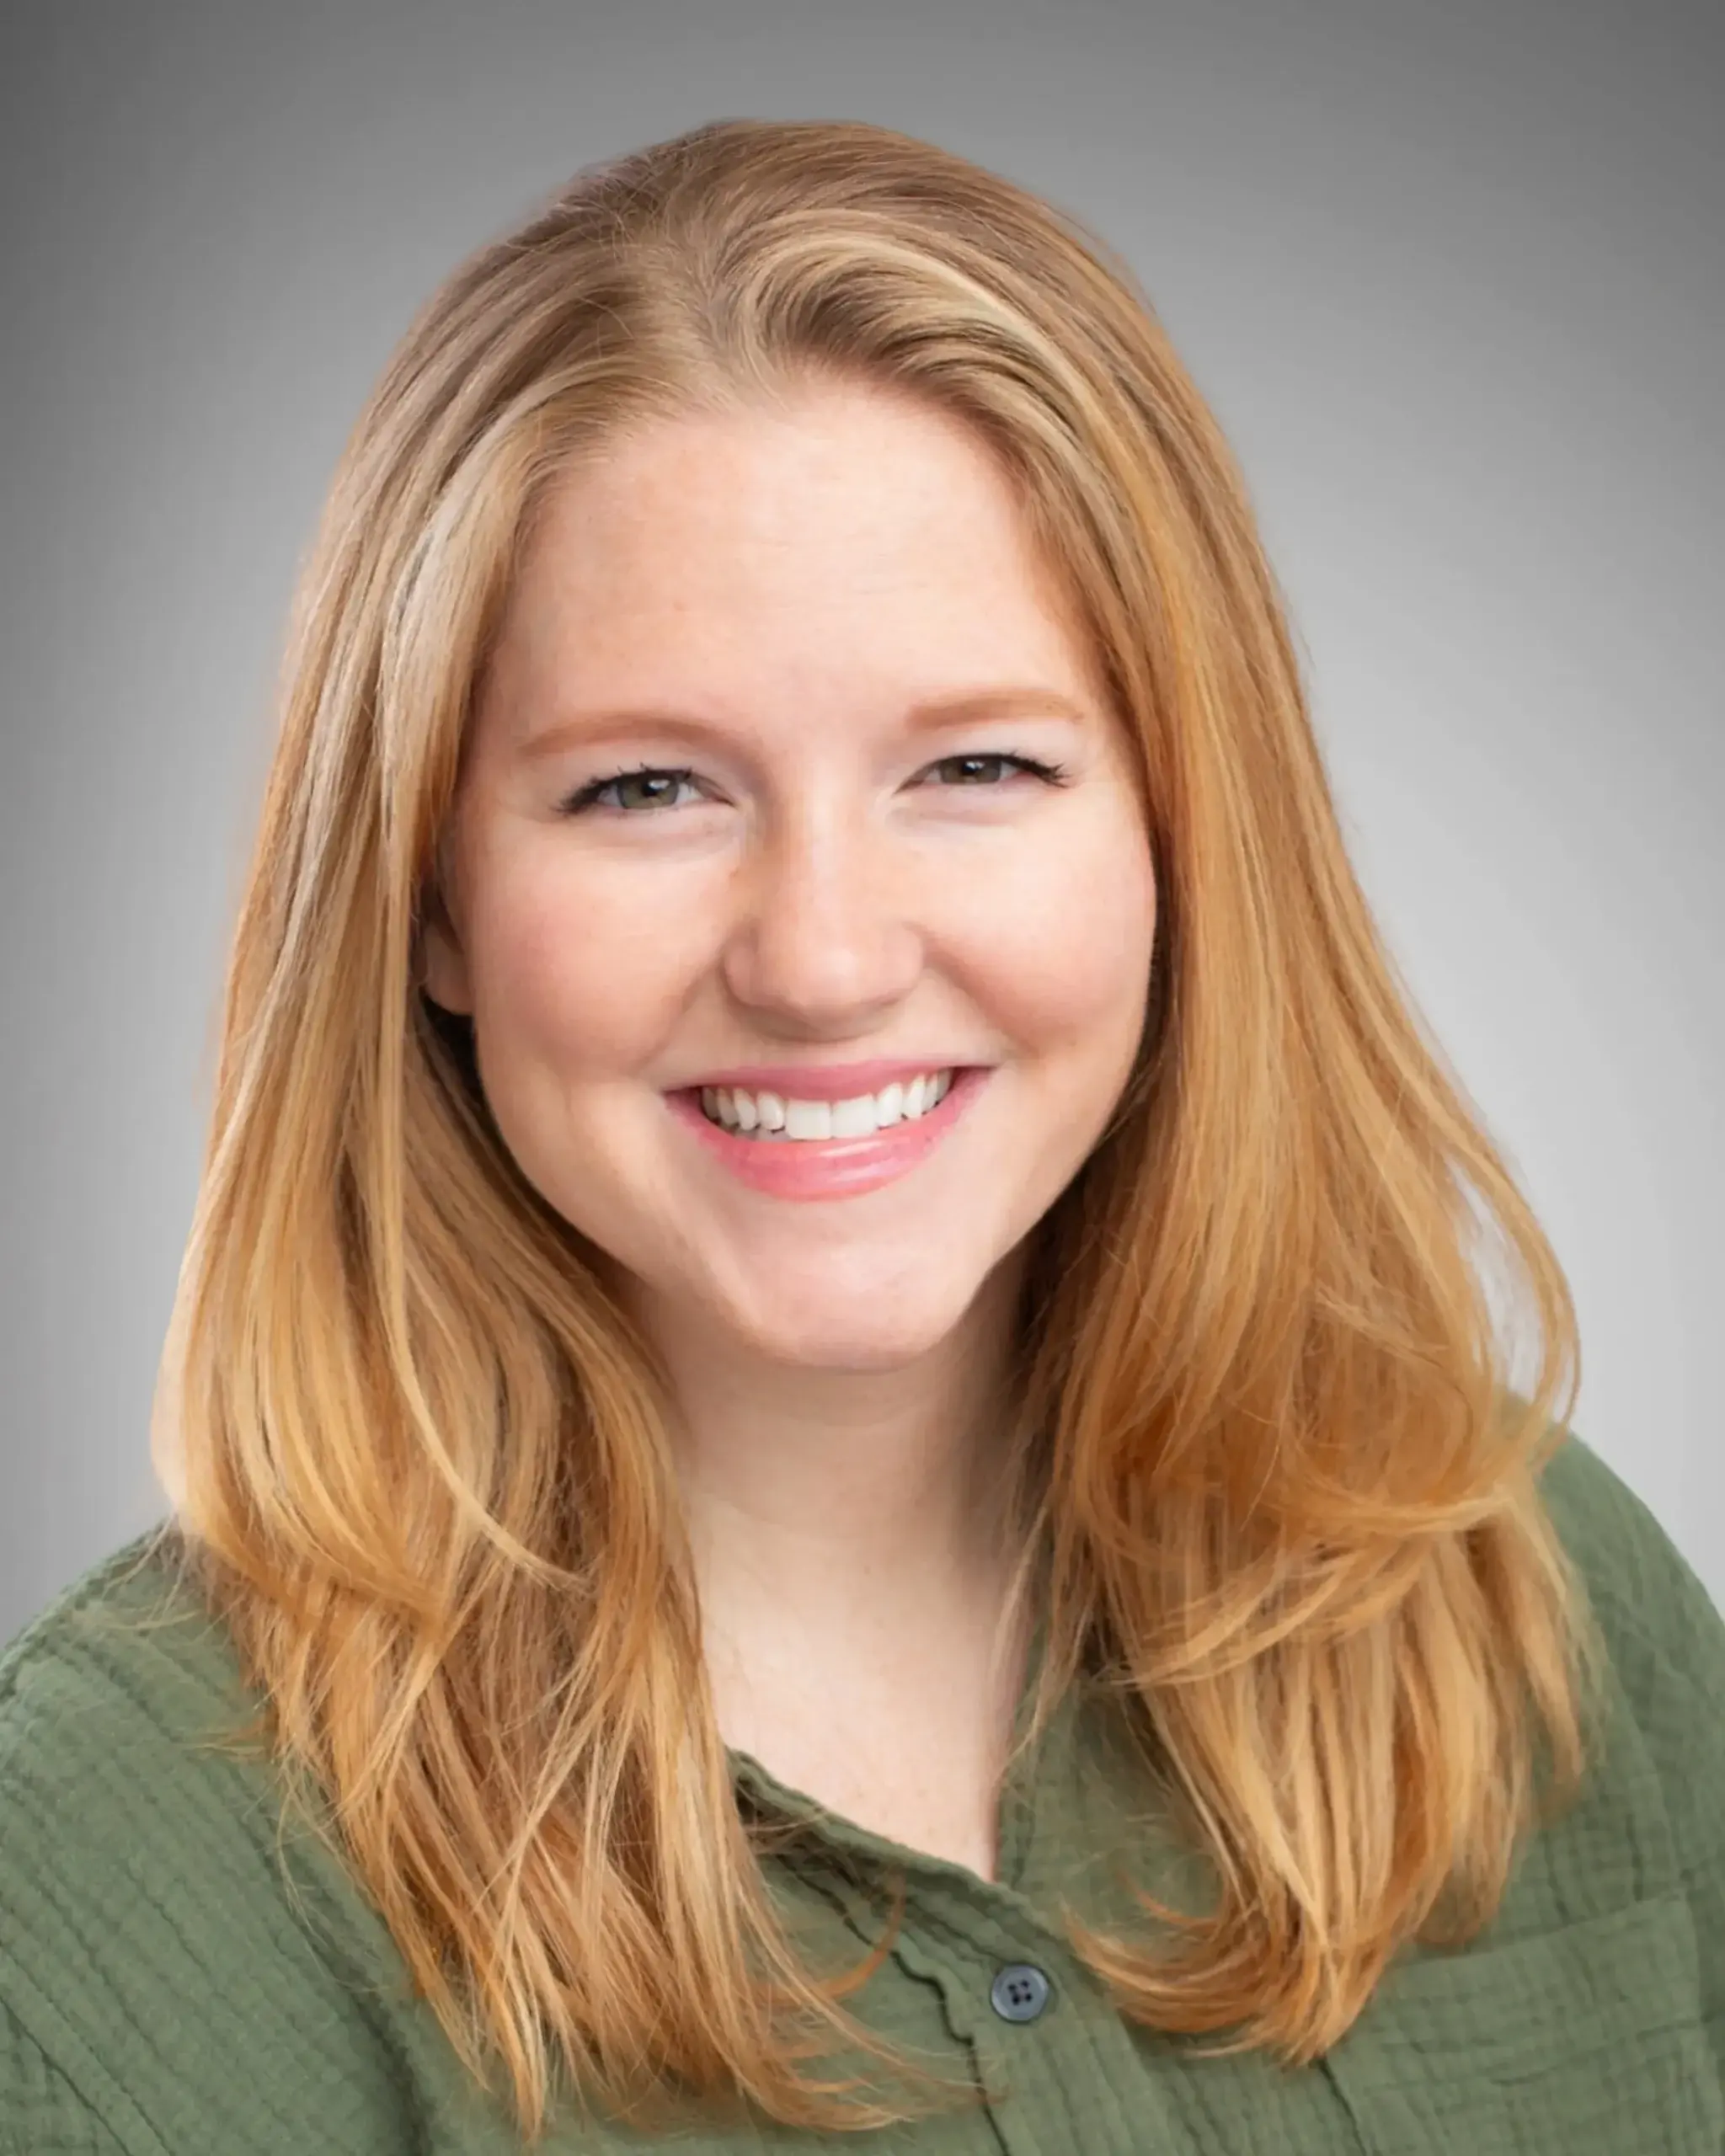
(1450, 275)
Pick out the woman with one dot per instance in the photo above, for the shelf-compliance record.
(835, 1415)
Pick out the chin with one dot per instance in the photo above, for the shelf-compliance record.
(836, 1339)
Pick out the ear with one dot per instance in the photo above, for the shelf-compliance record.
(443, 968)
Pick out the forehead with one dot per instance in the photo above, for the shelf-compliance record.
(853, 529)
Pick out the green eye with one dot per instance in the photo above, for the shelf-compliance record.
(1054, 774)
(588, 796)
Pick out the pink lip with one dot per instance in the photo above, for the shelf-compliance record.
(826, 1081)
(832, 1167)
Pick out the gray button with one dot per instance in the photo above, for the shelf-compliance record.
(1019, 1991)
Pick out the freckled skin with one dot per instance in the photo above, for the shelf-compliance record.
(828, 886)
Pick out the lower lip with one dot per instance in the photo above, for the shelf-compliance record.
(830, 1167)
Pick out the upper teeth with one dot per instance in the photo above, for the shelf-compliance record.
(854, 1118)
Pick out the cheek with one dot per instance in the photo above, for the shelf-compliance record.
(1065, 946)
(577, 977)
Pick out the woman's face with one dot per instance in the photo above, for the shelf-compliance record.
(778, 607)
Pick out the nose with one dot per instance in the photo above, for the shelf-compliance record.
(821, 936)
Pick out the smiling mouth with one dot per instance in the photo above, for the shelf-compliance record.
(770, 1119)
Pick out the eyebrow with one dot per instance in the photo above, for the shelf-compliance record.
(966, 707)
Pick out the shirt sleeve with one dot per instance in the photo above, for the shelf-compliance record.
(1668, 1639)
(1687, 1729)
(175, 1965)
(41, 2113)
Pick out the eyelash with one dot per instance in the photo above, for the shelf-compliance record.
(586, 798)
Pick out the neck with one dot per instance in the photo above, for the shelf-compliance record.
(827, 1499)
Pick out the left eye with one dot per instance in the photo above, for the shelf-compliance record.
(1049, 772)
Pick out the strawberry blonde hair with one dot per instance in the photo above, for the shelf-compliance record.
(1275, 1476)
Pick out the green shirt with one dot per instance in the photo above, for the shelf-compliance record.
(162, 1995)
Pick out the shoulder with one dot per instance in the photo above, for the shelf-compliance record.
(150, 1932)
(125, 1656)
(1664, 1633)
(108, 1700)
(1591, 2014)
(1661, 1813)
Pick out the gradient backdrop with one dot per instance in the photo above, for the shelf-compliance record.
(1450, 275)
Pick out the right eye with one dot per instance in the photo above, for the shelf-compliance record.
(588, 797)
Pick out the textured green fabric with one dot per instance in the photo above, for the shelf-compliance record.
(161, 1992)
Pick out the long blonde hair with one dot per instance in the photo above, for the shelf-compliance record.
(1277, 1466)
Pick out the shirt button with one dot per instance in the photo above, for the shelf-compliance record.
(1019, 1991)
